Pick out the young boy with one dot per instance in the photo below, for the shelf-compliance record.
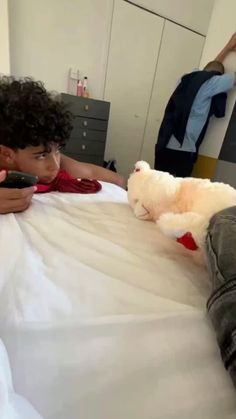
(200, 95)
(34, 126)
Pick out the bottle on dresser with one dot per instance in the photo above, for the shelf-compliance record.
(79, 88)
(85, 87)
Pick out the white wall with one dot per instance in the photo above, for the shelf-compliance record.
(195, 14)
(49, 36)
(4, 38)
(222, 26)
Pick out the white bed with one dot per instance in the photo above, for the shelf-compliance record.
(103, 318)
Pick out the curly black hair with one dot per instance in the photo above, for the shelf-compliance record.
(31, 116)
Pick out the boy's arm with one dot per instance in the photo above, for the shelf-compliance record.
(220, 84)
(90, 171)
(230, 46)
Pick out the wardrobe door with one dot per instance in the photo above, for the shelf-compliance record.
(135, 41)
(180, 53)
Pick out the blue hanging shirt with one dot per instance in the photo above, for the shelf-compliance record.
(200, 110)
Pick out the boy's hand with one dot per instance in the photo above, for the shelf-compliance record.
(230, 46)
(14, 200)
(232, 42)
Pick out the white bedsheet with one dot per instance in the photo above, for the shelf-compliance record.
(73, 255)
(12, 406)
(103, 318)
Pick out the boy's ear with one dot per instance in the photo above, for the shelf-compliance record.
(7, 153)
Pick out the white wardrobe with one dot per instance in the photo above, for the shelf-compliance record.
(147, 56)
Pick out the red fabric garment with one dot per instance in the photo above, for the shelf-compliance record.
(66, 183)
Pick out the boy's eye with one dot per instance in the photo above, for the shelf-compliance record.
(41, 156)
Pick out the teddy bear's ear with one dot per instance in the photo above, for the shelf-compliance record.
(141, 166)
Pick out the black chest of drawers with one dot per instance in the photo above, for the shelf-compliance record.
(88, 137)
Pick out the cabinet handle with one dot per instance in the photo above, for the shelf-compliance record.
(85, 123)
(83, 147)
(86, 107)
(84, 134)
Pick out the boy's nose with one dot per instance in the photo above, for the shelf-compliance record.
(54, 164)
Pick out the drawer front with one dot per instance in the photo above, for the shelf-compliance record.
(88, 135)
(91, 108)
(98, 160)
(85, 147)
(90, 123)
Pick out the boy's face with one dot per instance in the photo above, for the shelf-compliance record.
(36, 161)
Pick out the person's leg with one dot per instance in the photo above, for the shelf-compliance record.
(177, 163)
(221, 253)
(186, 163)
(164, 161)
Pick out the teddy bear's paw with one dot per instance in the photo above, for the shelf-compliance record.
(177, 225)
(141, 212)
(141, 165)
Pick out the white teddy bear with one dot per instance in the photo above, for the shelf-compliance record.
(181, 207)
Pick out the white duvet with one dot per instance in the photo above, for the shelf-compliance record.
(103, 317)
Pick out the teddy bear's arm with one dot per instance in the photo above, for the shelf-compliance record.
(177, 225)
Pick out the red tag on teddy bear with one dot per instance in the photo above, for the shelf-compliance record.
(187, 241)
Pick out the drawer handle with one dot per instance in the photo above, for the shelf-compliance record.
(83, 147)
(86, 107)
(84, 134)
(85, 123)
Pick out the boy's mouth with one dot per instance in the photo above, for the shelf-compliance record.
(48, 179)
